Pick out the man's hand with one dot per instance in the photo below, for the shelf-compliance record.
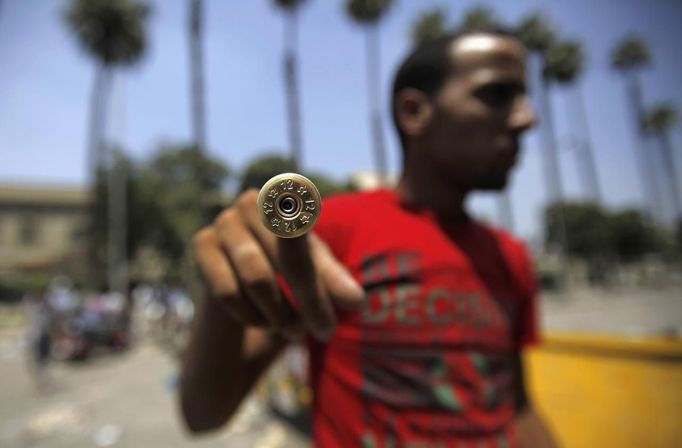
(239, 260)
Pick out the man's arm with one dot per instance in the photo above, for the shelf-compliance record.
(239, 261)
(221, 364)
(531, 429)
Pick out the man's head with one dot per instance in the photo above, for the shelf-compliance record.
(460, 106)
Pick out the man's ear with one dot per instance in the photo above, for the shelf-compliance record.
(413, 111)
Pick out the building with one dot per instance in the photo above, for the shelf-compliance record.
(41, 227)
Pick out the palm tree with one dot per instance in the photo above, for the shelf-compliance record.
(564, 63)
(479, 19)
(430, 25)
(368, 13)
(197, 108)
(630, 56)
(537, 35)
(197, 74)
(291, 8)
(658, 121)
(112, 33)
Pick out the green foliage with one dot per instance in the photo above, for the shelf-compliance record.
(564, 61)
(288, 5)
(367, 11)
(630, 53)
(659, 119)
(430, 25)
(184, 182)
(110, 30)
(166, 200)
(585, 224)
(480, 19)
(325, 185)
(632, 235)
(536, 32)
(14, 285)
(593, 232)
(262, 168)
(99, 230)
(187, 165)
(165, 203)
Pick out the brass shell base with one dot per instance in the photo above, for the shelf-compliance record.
(289, 205)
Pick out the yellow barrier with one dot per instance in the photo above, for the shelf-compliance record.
(599, 391)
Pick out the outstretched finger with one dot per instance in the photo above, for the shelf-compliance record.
(299, 271)
(220, 279)
(252, 268)
(343, 289)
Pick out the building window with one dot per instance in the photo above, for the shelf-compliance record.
(78, 233)
(29, 230)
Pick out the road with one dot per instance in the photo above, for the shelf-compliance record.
(128, 400)
(626, 312)
(125, 401)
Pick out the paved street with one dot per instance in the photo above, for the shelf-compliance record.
(629, 312)
(127, 401)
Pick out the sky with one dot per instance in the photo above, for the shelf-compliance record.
(46, 80)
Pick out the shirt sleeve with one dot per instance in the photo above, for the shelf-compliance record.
(333, 225)
(529, 326)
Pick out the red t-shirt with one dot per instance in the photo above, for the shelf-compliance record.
(428, 361)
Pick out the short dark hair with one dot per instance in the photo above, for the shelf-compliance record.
(427, 67)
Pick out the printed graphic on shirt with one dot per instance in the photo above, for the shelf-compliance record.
(418, 352)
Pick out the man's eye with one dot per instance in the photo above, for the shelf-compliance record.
(497, 95)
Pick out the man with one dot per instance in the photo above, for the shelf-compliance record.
(417, 313)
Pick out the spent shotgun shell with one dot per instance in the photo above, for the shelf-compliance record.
(289, 205)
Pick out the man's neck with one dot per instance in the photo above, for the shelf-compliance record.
(423, 190)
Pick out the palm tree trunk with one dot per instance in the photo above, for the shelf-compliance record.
(198, 90)
(644, 162)
(373, 83)
(589, 165)
(552, 168)
(117, 232)
(117, 272)
(548, 137)
(669, 163)
(95, 160)
(549, 150)
(291, 82)
(197, 75)
(98, 106)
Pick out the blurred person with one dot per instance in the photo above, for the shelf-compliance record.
(178, 318)
(62, 297)
(39, 318)
(127, 316)
(64, 303)
(417, 314)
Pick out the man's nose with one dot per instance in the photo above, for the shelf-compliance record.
(523, 115)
